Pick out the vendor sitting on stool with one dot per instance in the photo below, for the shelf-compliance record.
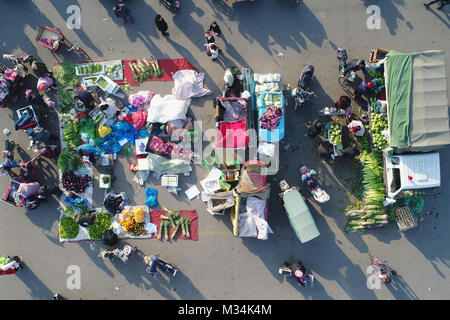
(83, 100)
(316, 128)
(356, 127)
(87, 152)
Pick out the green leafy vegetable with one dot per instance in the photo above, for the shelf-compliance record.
(103, 223)
(68, 228)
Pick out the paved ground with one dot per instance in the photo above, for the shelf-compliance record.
(220, 266)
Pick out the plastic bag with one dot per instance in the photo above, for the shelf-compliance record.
(140, 99)
(115, 202)
(104, 131)
(122, 129)
(152, 195)
(417, 204)
(110, 145)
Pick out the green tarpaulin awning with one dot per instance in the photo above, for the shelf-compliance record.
(416, 90)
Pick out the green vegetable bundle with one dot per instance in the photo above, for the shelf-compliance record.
(69, 161)
(71, 132)
(68, 228)
(66, 75)
(88, 126)
(373, 213)
(103, 223)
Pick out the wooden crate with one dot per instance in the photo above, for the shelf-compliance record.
(405, 218)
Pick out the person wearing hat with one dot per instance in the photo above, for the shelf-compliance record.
(45, 83)
(298, 270)
(87, 152)
(364, 89)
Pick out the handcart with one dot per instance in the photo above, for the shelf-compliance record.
(34, 122)
(265, 100)
(11, 197)
(54, 40)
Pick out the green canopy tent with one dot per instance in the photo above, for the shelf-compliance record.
(416, 93)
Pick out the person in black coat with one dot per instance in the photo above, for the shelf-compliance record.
(161, 24)
(214, 27)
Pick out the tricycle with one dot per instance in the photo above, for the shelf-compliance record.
(53, 40)
(298, 213)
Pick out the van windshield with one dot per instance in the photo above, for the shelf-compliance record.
(395, 184)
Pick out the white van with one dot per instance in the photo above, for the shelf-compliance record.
(411, 171)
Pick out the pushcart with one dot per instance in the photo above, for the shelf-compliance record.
(54, 40)
(34, 122)
(11, 197)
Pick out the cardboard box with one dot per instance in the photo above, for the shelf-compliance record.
(377, 54)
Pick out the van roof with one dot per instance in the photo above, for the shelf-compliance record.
(419, 171)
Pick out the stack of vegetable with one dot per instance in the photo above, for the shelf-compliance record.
(89, 68)
(334, 133)
(273, 99)
(67, 78)
(144, 69)
(372, 212)
(68, 228)
(114, 71)
(69, 161)
(71, 132)
(76, 183)
(103, 223)
(133, 221)
(377, 125)
(174, 219)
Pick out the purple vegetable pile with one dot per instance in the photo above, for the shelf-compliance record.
(75, 183)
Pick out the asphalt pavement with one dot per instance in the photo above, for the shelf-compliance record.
(266, 36)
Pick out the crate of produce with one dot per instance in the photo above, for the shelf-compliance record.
(377, 54)
(89, 69)
(405, 218)
(335, 134)
(114, 69)
(378, 124)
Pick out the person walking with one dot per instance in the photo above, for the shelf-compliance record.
(442, 2)
(214, 27)
(209, 38)
(161, 24)
(122, 12)
(213, 50)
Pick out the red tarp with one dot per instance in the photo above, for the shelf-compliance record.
(168, 66)
(155, 218)
(232, 135)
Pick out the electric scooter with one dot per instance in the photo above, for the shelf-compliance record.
(121, 254)
(302, 93)
(317, 192)
(306, 280)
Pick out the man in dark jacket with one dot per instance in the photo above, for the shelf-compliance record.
(83, 99)
(161, 24)
(122, 11)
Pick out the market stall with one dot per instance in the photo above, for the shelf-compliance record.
(92, 137)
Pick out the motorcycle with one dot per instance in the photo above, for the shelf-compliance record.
(155, 262)
(123, 254)
(12, 79)
(170, 4)
(306, 280)
(302, 92)
(317, 192)
(383, 269)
